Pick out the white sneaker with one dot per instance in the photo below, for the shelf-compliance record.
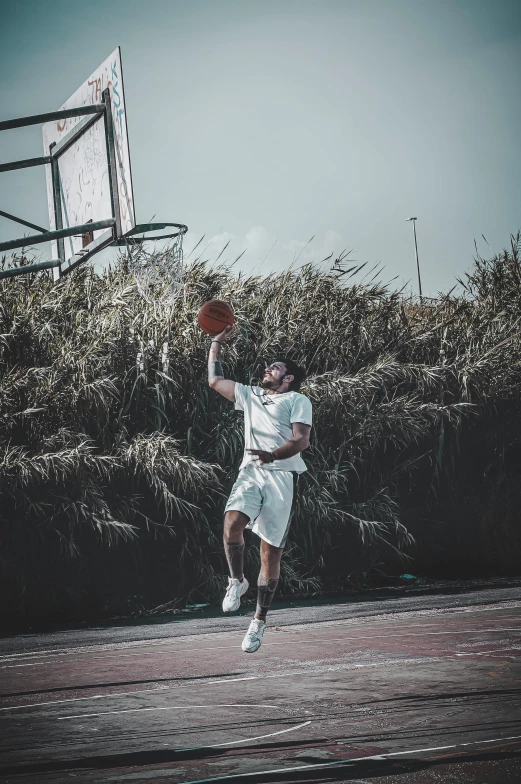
(252, 640)
(236, 589)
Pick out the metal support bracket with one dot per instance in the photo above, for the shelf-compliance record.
(91, 115)
(20, 220)
(114, 234)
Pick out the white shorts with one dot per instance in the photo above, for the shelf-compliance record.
(266, 498)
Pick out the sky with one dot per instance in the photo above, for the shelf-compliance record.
(268, 122)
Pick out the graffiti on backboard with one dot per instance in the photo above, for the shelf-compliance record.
(85, 184)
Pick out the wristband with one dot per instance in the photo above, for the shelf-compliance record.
(217, 341)
(273, 457)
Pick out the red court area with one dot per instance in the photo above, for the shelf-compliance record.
(417, 697)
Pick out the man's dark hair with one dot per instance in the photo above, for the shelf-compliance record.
(295, 370)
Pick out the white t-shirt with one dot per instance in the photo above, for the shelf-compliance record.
(267, 423)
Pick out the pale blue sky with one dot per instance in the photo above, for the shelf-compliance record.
(269, 122)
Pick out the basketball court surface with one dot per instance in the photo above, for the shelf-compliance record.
(408, 690)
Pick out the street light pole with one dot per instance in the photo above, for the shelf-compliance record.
(416, 249)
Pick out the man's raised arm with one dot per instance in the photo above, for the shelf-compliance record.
(216, 379)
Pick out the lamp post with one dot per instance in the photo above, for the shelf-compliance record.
(416, 248)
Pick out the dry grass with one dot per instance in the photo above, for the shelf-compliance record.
(110, 435)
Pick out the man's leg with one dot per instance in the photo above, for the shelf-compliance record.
(266, 587)
(272, 523)
(234, 524)
(268, 578)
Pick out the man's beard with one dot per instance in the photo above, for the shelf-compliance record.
(270, 383)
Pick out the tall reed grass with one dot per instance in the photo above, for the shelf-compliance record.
(116, 458)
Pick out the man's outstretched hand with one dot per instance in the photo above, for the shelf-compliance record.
(222, 336)
(264, 457)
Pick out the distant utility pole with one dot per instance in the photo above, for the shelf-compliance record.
(416, 248)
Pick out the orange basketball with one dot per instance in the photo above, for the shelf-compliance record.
(214, 316)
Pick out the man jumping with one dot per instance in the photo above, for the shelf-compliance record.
(277, 424)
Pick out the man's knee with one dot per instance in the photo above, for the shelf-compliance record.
(269, 552)
(234, 523)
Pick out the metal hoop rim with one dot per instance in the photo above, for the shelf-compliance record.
(144, 228)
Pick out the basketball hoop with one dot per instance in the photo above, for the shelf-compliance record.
(86, 142)
(158, 276)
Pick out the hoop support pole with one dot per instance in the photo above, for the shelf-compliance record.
(21, 220)
(63, 114)
(24, 242)
(58, 217)
(12, 272)
(26, 163)
(111, 158)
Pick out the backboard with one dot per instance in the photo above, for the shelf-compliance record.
(84, 174)
(89, 188)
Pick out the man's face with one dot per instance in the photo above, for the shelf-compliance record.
(274, 375)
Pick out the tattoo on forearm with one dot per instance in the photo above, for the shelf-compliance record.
(235, 557)
(214, 369)
(266, 587)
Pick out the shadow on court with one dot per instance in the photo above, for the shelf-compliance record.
(345, 770)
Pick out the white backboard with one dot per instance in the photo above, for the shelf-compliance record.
(83, 167)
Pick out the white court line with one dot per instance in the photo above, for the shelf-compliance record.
(348, 761)
(247, 740)
(108, 646)
(36, 664)
(316, 640)
(319, 641)
(484, 653)
(396, 618)
(120, 694)
(334, 668)
(78, 699)
(170, 707)
(404, 618)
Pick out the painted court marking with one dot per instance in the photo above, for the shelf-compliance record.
(354, 636)
(303, 672)
(350, 761)
(252, 677)
(247, 740)
(121, 694)
(485, 653)
(395, 617)
(317, 641)
(169, 707)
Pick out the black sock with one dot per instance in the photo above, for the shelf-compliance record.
(266, 587)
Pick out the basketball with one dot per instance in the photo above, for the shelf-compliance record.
(214, 315)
